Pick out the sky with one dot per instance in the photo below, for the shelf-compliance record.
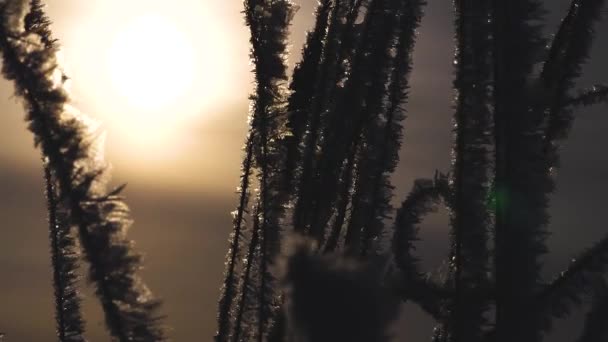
(181, 157)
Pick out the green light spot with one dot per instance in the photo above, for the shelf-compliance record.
(497, 198)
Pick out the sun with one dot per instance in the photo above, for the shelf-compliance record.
(151, 62)
(155, 74)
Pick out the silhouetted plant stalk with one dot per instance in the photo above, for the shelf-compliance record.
(423, 199)
(302, 86)
(337, 56)
(228, 291)
(595, 328)
(471, 169)
(323, 88)
(569, 52)
(363, 224)
(74, 158)
(64, 260)
(268, 21)
(339, 140)
(330, 68)
(574, 284)
(522, 120)
(385, 151)
(594, 95)
(522, 180)
(246, 282)
(269, 30)
(344, 198)
(341, 123)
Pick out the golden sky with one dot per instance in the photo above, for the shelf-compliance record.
(180, 152)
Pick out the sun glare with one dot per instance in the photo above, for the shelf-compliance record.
(155, 74)
(151, 62)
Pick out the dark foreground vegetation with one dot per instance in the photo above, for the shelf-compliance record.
(317, 251)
